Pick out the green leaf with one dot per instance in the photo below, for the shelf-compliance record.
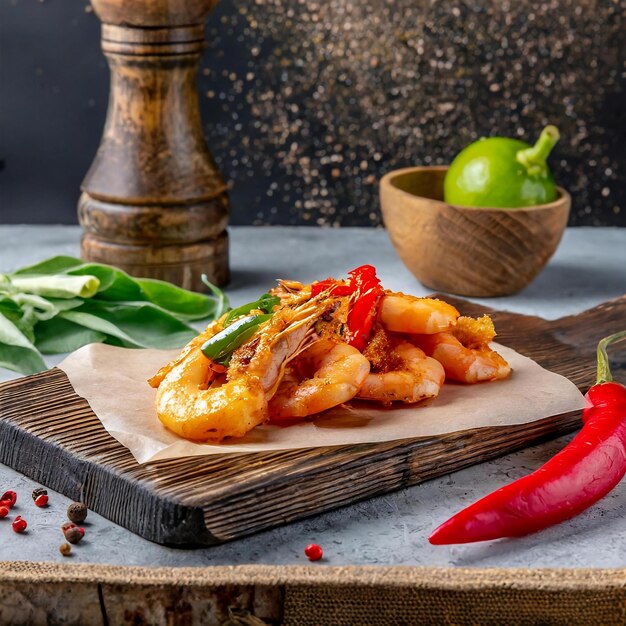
(24, 320)
(186, 304)
(118, 286)
(21, 360)
(60, 286)
(9, 308)
(17, 353)
(114, 284)
(142, 326)
(222, 304)
(54, 265)
(60, 335)
(42, 309)
(63, 304)
(96, 323)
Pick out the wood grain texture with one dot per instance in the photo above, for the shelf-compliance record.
(465, 250)
(153, 201)
(50, 434)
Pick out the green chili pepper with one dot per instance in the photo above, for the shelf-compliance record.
(221, 346)
(265, 303)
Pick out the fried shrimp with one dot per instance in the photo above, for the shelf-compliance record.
(402, 313)
(465, 353)
(305, 348)
(326, 374)
(407, 375)
(195, 344)
(232, 405)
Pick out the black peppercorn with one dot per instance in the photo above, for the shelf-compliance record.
(73, 535)
(40, 491)
(65, 549)
(77, 512)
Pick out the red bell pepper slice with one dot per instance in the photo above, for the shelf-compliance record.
(368, 291)
(365, 289)
(334, 287)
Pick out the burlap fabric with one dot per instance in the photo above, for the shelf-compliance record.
(44, 593)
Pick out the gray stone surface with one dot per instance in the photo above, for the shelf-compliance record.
(589, 267)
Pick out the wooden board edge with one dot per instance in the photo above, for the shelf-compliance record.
(75, 478)
(405, 458)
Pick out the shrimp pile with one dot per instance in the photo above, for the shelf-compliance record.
(320, 346)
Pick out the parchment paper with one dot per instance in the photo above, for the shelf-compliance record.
(113, 381)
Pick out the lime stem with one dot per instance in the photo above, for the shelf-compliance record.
(534, 158)
(604, 371)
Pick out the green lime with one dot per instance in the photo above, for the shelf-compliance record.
(502, 173)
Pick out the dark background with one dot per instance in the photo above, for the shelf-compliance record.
(307, 104)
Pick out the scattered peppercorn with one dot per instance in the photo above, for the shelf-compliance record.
(314, 552)
(73, 535)
(9, 498)
(77, 512)
(4, 511)
(40, 491)
(65, 549)
(19, 525)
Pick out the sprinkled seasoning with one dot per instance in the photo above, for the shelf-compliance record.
(322, 98)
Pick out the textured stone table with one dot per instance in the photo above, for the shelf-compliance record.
(589, 267)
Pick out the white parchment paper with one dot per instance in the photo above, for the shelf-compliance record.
(113, 381)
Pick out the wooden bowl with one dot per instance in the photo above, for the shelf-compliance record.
(466, 250)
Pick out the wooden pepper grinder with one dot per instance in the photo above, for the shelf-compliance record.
(153, 202)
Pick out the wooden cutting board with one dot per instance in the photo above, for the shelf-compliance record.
(50, 434)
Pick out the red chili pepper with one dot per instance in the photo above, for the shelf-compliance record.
(361, 317)
(334, 287)
(366, 290)
(590, 466)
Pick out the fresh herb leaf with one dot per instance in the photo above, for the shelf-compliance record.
(53, 265)
(62, 303)
(142, 326)
(17, 353)
(60, 286)
(114, 283)
(184, 304)
(223, 304)
(60, 335)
